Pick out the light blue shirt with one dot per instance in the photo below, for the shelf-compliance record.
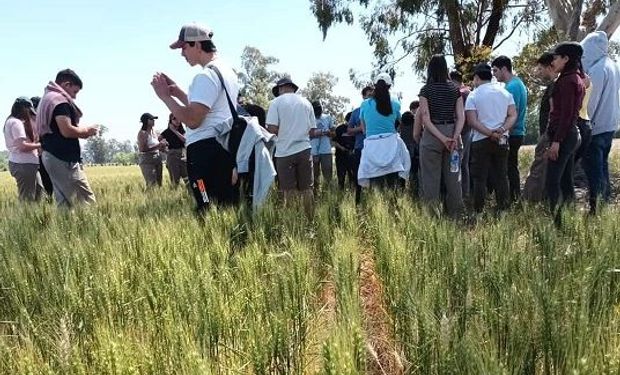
(354, 122)
(519, 93)
(375, 122)
(322, 145)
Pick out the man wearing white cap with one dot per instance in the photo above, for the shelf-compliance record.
(211, 169)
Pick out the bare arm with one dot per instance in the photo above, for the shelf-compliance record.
(273, 129)
(472, 120)
(25, 146)
(425, 115)
(69, 131)
(191, 115)
(511, 119)
(417, 127)
(460, 118)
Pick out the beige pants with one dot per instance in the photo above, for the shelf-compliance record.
(29, 185)
(69, 181)
(151, 166)
(177, 168)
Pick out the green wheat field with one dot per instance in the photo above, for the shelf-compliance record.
(137, 285)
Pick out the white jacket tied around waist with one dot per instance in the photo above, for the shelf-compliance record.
(258, 139)
(383, 154)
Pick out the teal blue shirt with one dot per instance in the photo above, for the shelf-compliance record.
(375, 122)
(519, 93)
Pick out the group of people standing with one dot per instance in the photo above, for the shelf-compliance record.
(43, 143)
(453, 145)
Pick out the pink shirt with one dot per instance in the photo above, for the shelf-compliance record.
(14, 133)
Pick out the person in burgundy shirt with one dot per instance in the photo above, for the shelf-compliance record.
(566, 97)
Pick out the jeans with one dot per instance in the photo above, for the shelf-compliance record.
(585, 131)
(560, 172)
(514, 179)
(597, 167)
(487, 156)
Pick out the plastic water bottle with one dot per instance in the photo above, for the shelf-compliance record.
(455, 161)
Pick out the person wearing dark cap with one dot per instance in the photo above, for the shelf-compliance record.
(566, 101)
(210, 167)
(23, 150)
(291, 118)
(59, 131)
(491, 113)
(149, 147)
(175, 158)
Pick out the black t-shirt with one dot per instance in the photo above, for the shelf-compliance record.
(66, 149)
(344, 140)
(174, 143)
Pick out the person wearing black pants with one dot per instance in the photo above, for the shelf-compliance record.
(211, 182)
(514, 179)
(566, 98)
(560, 171)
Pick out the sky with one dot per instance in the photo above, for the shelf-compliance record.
(116, 47)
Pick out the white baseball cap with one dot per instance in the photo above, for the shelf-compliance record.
(383, 77)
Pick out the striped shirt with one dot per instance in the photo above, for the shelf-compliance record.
(441, 97)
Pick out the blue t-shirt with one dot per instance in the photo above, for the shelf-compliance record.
(519, 93)
(354, 122)
(375, 122)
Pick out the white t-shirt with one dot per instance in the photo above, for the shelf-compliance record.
(294, 117)
(206, 89)
(491, 102)
(14, 132)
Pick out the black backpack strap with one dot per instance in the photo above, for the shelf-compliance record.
(231, 105)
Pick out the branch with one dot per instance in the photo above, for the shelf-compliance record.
(511, 33)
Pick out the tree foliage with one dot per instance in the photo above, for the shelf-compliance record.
(467, 29)
(320, 86)
(99, 150)
(256, 76)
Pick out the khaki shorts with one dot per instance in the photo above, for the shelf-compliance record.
(295, 171)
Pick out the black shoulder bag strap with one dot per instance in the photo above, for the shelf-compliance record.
(239, 124)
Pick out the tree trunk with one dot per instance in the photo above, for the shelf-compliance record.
(560, 13)
(456, 32)
(573, 30)
(611, 21)
(499, 6)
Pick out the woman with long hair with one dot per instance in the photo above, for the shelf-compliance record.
(149, 146)
(23, 150)
(384, 157)
(566, 100)
(443, 115)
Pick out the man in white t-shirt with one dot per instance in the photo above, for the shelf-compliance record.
(291, 118)
(491, 113)
(210, 168)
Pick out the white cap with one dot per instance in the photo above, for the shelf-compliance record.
(384, 77)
